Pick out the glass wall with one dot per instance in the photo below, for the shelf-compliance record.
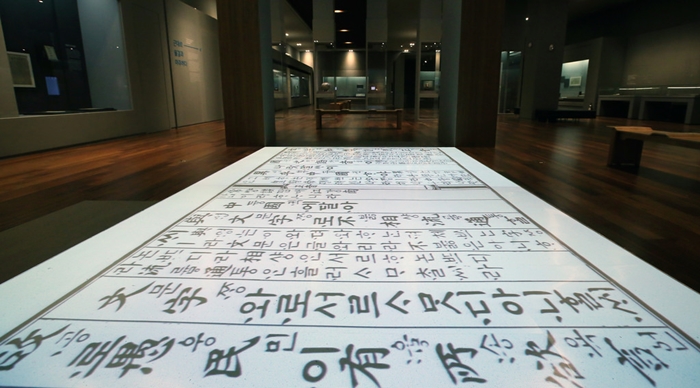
(377, 76)
(300, 88)
(573, 79)
(279, 79)
(511, 69)
(292, 84)
(325, 67)
(429, 82)
(346, 87)
(343, 75)
(72, 50)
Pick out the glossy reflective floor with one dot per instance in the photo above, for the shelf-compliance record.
(655, 214)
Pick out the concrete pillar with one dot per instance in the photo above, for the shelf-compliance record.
(246, 72)
(471, 46)
(545, 35)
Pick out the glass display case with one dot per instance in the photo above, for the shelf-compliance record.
(511, 72)
(66, 56)
(573, 79)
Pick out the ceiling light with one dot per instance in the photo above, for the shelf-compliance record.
(344, 30)
(527, 18)
(286, 34)
(348, 42)
(405, 51)
(350, 51)
(411, 44)
(338, 11)
(298, 44)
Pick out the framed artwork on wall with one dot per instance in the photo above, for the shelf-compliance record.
(575, 81)
(21, 69)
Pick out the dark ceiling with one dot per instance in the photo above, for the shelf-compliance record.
(351, 23)
(577, 8)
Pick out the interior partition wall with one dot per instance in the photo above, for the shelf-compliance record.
(66, 65)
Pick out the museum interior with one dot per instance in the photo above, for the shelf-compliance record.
(108, 106)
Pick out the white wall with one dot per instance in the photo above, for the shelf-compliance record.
(8, 104)
(194, 58)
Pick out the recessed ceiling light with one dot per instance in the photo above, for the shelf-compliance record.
(338, 11)
(350, 51)
(348, 42)
(405, 51)
(344, 30)
(286, 34)
(298, 44)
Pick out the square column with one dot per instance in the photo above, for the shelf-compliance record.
(471, 47)
(246, 72)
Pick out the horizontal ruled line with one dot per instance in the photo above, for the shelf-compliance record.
(358, 281)
(352, 326)
(364, 252)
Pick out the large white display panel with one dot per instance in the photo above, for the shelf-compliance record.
(349, 267)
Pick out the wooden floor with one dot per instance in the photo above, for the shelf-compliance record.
(655, 213)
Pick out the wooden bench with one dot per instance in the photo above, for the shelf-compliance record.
(627, 143)
(321, 112)
(554, 115)
(340, 105)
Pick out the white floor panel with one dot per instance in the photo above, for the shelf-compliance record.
(332, 267)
